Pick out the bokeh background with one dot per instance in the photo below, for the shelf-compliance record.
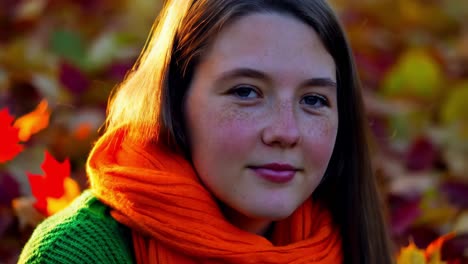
(412, 57)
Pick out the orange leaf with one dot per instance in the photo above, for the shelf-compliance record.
(9, 146)
(83, 131)
(52, 185)
(432, 251)
(34, 121)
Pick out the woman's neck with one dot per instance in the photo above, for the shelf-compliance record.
(252, 225)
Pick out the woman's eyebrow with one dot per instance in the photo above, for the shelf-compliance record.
(320, 82)
(256, 74)
(243, 72)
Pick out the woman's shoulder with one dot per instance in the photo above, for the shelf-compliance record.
(84, 232)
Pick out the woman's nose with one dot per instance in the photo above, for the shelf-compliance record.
(282, 128)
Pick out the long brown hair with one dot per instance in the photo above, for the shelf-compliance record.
(149, 105)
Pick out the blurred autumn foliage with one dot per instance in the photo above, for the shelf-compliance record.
(59, 61)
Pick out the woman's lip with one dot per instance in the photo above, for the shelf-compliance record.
(276, 176)
(277, 167)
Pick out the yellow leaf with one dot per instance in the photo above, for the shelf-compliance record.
(454, 108)
(411, 255)
(439, 214)
(72, 190)
(416, 75)
(33, 122)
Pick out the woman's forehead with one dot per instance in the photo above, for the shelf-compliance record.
(272, 43)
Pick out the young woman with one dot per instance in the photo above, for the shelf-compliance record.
(238, 137)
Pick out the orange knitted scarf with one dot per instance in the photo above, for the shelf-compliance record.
(174, 219)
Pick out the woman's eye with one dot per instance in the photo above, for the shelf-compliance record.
(244, 92)
(315, 101)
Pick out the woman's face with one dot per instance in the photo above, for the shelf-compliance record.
(262, 117)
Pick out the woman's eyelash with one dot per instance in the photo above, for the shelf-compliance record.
(251, 92)
(244, 91)
(315, 100)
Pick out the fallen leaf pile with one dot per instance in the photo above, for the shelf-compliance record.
(412, 57)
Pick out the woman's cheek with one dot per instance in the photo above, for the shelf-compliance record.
(319, 141)
(235, 130)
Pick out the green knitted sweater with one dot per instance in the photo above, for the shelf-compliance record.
(84, 232)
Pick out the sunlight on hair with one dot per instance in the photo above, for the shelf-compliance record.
(152, 68)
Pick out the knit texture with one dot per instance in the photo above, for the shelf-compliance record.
(84, 232)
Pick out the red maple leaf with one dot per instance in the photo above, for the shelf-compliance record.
(9, 139)
(51, 185)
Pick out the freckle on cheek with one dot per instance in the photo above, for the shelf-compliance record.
(234, 114)
(322, 136)
(232, 125)
(322, 129)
